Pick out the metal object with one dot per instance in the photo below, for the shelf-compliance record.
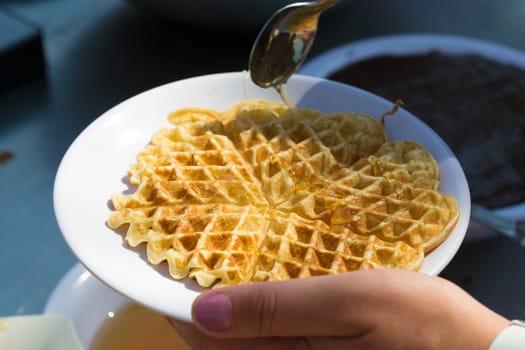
(284, 42)
(513, 229)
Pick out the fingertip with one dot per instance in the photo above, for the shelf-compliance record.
(213, 312)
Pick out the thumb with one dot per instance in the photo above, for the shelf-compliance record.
(294, 308)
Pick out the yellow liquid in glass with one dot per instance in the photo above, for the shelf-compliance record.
(136, 328)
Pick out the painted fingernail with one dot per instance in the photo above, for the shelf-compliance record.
(213, 312)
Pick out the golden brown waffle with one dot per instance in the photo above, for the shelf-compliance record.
(262, 192)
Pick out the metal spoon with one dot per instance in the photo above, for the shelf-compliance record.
(513, 229)
(283, 43)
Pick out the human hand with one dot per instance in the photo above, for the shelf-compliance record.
(376, 309)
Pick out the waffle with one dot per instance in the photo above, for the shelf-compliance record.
(262, 192)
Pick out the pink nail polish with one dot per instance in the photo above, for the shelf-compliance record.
(213, 312)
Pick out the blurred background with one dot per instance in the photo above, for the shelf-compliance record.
(64, 62)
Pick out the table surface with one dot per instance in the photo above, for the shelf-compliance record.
(100, 52)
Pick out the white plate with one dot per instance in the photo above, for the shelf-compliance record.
(94, 167)
(337, 58)
(85, 300)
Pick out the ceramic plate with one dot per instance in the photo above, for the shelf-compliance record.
(85, 300)
(95, 165)
(335, 59)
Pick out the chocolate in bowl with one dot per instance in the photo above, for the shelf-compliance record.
(477, 105)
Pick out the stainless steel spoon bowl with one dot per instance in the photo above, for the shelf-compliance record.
(283, 43)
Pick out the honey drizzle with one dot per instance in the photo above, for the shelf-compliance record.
(394, 109)
(269, 215)
(281, 89)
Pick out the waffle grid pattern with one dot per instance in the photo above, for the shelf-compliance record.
(262, 192)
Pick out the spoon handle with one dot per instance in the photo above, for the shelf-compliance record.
(513, 229)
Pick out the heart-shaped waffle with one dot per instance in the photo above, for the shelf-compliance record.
(263, 192)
